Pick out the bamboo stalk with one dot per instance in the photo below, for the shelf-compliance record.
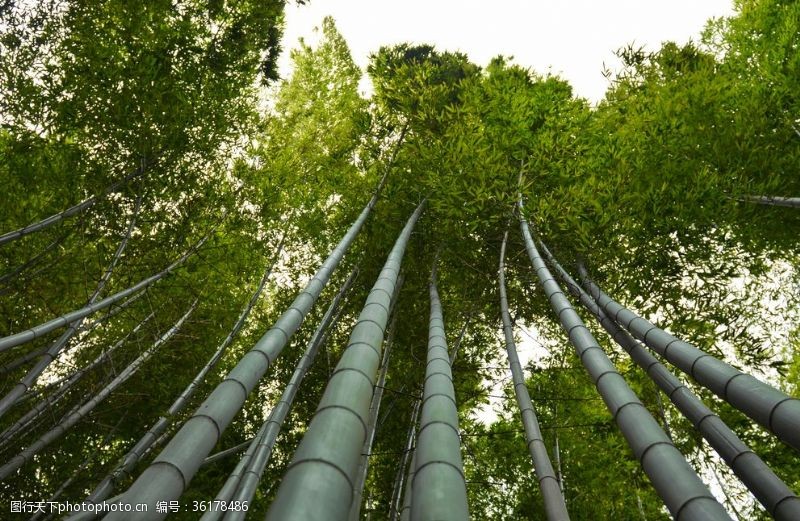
(770, 407)
(682, 491)
(322, 466)
(242, 482)
(439, 470)
(173, 469)
(554, 505)
(770, 491)
(772, 200)
(374, 410)
(397, 490)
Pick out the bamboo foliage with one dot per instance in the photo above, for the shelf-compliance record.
(553, 497)
(66, 319)
(170, 473)
(438, 486)
(768, 406)
(80, 412)
(129, 461)
(325, 463)
(682, 491)
(72, 210)
(9, 276)
(777, 498)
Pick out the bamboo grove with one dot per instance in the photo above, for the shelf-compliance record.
(468, 295)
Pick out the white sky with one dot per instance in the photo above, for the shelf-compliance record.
(571, 38)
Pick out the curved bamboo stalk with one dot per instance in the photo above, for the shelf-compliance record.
(777, 498)
(56, 347)
(129, 461)
(174, 467)
(554, 505)
(323, 467)
(41, 406)
(80, 412)
(72, 210)
(439, 489)
(771, 408)
(683, 493)
(242, 482)
(68, 318)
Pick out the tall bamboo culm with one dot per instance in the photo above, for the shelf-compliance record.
(325, 463)
(439, 489)
(777, 498)
(398, 505)
(554, 505)
(243, 481)
(374, 410)
(401, 493)
(683, 493)
(172, 470)
(771, 200)
(771, 408)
